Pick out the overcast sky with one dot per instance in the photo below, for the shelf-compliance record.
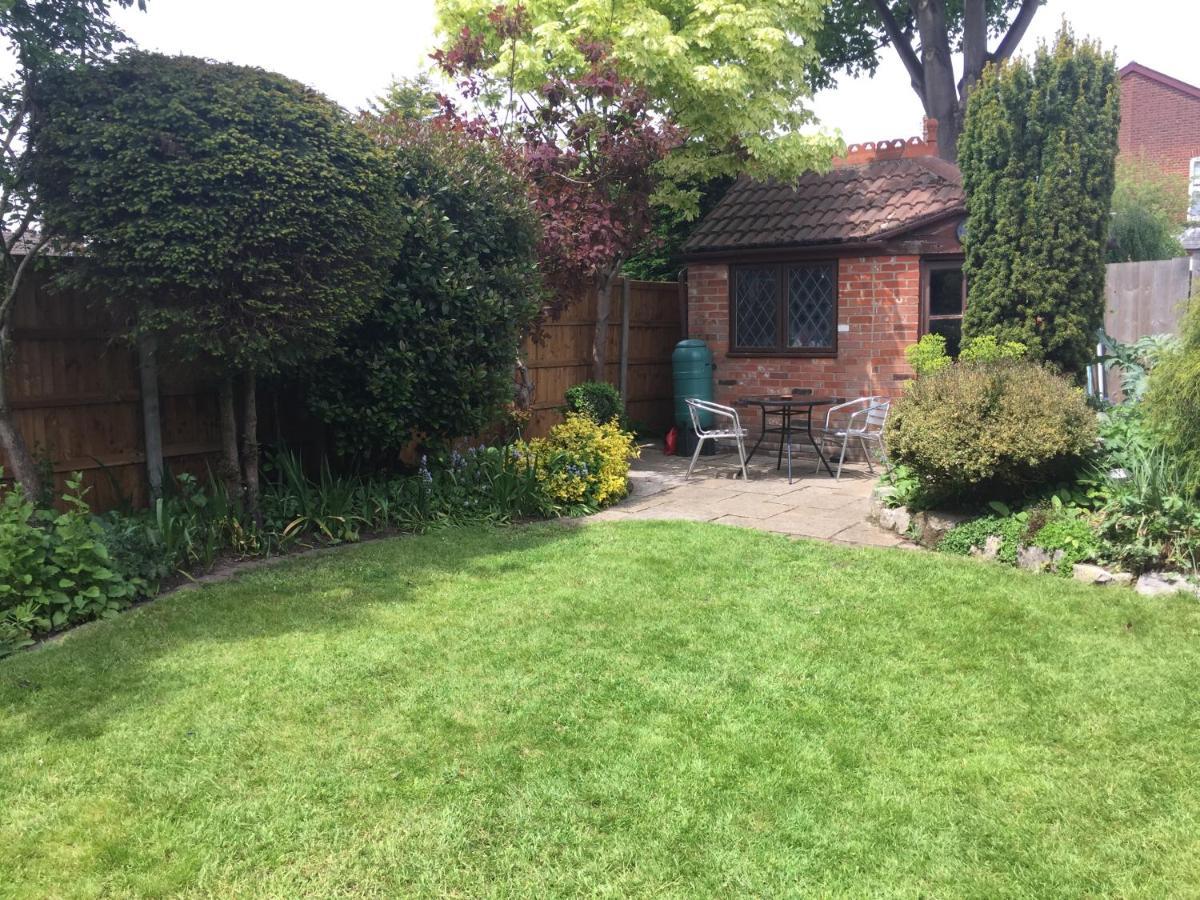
(351, 49)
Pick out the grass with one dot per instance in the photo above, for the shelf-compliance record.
(656, 709)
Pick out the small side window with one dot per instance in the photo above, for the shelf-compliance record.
(943, 300)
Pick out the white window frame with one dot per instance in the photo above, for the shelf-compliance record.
(1194, 190)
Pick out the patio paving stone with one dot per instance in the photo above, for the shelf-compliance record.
(813, 506)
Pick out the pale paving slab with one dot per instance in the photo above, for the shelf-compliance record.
(812, 506)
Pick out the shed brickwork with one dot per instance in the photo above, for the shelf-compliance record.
(878, 310)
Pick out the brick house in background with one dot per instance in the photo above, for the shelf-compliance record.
(822, 284)
(1160, 123)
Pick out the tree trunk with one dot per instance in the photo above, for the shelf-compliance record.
(229, 469)
(603, 312)
(20, 462)
(151, 414)
(250, 443)
(941, 93)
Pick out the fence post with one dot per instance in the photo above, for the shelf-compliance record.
(624, 340)
(147, 345)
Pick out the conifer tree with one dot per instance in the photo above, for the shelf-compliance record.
(1038, 154)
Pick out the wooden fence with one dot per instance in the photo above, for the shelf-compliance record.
(1144, 297)
(75, 393)
(642, 333)
(75, 390)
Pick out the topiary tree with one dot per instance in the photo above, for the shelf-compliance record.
(1037, 157)
(434, 359)
(242, 214)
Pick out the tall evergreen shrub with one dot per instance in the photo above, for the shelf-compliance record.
(1037, 155)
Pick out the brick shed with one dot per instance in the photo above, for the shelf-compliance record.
(821, 284)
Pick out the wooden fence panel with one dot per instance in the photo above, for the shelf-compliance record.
(1144, 297)
(76, 397)
(563, 356)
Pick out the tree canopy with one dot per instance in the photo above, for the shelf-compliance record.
(924, 34)
(733, 75)
(1037, 156)
(243, 213)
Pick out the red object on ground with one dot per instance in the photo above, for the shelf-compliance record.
(672, 441)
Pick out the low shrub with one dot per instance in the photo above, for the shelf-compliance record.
(928, 355)
(975, 533)
(583, 464)
(598, 400)
(55, 568)
(1067, 529)
(986, 349)
(1054, 527)
(978, 432)
(1151, 513)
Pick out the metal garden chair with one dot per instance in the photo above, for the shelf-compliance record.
(733, 429)
(864, 424)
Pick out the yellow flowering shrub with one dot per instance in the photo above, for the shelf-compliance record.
(583, 462)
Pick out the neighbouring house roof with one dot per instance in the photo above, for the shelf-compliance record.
(1134, 68)
(851, 204)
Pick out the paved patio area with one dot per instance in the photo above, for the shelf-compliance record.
(813, 506)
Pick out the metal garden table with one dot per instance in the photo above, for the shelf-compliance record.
(795, 412)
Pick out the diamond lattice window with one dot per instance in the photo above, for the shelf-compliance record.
(785, 309)
(811, 307)
(756, 307)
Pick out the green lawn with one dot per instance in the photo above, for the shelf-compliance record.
(657, 709)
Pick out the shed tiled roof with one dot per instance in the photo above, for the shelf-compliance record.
(850, 204)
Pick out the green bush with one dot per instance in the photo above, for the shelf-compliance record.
(583, 464)
(990, 431)
(1069, 530)
(975, 533)
(928, 355)
(1173, 396)
(433, 360)
(55, 569)
(598, 400)
(986, 349)
(1151, 513)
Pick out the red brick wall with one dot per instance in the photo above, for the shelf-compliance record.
(878, 299)
(1159, 123)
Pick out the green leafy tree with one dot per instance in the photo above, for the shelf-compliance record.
(734, 76)
(243, 215)
(41, 36)
(434, 358)
(1147, 213)
(1037, 156)
(925, 34)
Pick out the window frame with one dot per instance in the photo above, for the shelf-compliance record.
(781, 350)
(929, 265)
(1193, 198)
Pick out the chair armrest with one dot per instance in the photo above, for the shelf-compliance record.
(840, 406)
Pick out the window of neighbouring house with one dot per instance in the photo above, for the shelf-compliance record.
(944, 296)
(784, 309)
(1194, 191)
